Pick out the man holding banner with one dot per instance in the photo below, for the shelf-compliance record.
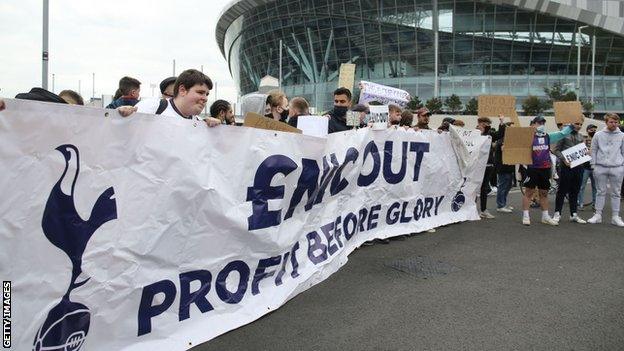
(607, 158)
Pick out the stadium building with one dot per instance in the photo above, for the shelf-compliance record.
(514, 47)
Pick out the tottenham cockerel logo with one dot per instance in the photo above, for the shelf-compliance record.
(67, 324)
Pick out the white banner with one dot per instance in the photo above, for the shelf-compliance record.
(577, 155)
(383, 94)
(160, 233)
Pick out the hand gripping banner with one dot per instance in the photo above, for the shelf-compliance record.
(159, 233)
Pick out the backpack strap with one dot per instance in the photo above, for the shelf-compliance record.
(162, 106)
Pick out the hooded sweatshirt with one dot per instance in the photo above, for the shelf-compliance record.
(608, 148)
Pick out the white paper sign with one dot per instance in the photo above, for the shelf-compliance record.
(313, 125)
(383, 94)
(577, 155)
(158, 233)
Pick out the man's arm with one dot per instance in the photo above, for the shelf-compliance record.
(556, 136)
(593, 150)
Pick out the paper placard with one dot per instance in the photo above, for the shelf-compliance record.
(313, 125)
(346, 77)
(495, 105)
(255, 120)
(567, 112)
(383, 94)
(518, 145)
(577, 155)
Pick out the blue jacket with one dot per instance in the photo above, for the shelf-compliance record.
(122, 102)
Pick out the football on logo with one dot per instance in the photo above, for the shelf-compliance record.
(65, 329)
(458, 201)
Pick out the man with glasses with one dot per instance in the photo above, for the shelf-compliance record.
(569, 178)
(166, 87)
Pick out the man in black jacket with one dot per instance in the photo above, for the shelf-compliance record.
(338, 115)
(505, 173)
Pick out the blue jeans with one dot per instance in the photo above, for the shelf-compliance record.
(587, 174)
(503, 185)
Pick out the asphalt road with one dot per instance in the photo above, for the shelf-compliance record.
(485, 285)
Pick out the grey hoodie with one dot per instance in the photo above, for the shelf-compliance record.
(607, 148)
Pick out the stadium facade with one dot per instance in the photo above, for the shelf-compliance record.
(514, 47)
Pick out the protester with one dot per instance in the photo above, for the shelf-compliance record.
(394, 115)
(40, 94)
(130, 90)
(298, 107)
(71, 97)
(166, 87)
(222, 110)
(569, 178)
(423, 115)
(588, 170)
(505, 173)
(190, 94)
(459, 123)
(538, 173)
(607, 159)
(278, 106)
(484, 124)
(338, 115)
(407, 119)
(444, 127)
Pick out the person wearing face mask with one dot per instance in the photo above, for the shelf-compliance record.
(569, 178)
(607, 158)
(298, 107)
(338, 115)
(538, 173)
(588, 170)
(484, 124)
(278, 105)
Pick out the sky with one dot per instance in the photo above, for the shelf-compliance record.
(137, 38)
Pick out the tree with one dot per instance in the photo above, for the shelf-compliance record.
(472, 106)
(414, 103)
(588, 107)
(533, 105)
(434, 105)
(453, 103)
(558, 93)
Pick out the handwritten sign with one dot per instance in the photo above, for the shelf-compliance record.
(567, 112)
(494, 105)
(577, 155)
(383, 94)
(518, 145)
(346, 77)
(255, 120)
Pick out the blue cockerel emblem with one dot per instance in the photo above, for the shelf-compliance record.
(67, 324)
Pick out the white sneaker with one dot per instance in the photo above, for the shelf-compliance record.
(486, 215)
(617, 220)
(504, 210)
(526, 221)
(556, 217)
(596, 218)
(432, 230)
(509, 207)
(575, 218)
(549, 221)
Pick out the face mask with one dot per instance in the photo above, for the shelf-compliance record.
(395, 122)
(284, 114)
(486, 129)
(591, 134)
(340, 111)
(540, 129)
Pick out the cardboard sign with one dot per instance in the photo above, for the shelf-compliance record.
(494, 105)
(518, 145)
(313, 125)
(567, 112)
(577, 155)
(346, 78)
(255, 120)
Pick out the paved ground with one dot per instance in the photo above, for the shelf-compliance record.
(509, 287)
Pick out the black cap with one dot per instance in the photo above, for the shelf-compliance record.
(538, 119)
(450, 120)
(360, 108)
(166, 82)
(39, 94)
(590, 126)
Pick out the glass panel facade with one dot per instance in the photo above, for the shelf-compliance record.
(483, 48)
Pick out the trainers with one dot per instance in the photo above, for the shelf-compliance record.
(486, 215)
(504, 210)
(617, 220)
(556, 217)
(549, 221)
(596, 218)
(575, 218)
(526, 221)
(509, 207)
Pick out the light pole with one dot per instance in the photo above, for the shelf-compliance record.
(44, 57)
(593, 67)
(578, 62)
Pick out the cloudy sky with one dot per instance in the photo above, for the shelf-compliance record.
(139, 38)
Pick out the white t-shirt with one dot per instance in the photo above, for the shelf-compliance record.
(150, 105)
